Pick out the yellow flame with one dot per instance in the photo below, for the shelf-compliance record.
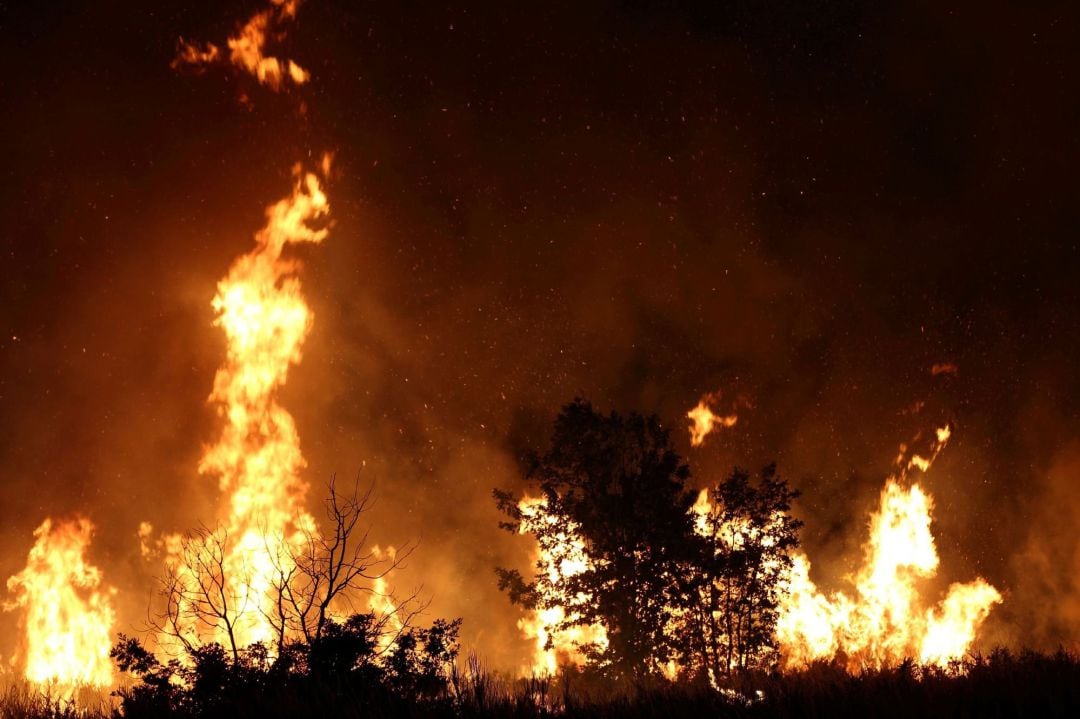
(553, 647)
(703, 419)
(257, 458)
(887, 620)
(68, 612)
(734, 534)
(381, 602)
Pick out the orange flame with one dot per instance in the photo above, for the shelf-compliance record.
(246, 49)
(887, 620)
(948, 368)
(388, 614)
(553, 647)
(703, 419)
(257, 457)
(68, 613)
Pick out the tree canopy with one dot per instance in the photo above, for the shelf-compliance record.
(680, 581)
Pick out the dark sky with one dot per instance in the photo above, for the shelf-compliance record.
(804, 203)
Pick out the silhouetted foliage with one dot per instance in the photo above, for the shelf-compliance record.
(615, 482)
(999, 685)
(748, 535)
(381, 657)
(313, 573)
(343, 667)
(668, 582)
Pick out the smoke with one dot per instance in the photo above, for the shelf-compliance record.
(637, 206)
(1046, 570)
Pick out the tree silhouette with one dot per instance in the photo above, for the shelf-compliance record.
(748, 535)
(616, 484)
(197, 595)
(315, 575)
(678, 585)
(329, 570)
(323, 645)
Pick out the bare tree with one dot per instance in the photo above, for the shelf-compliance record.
(208, 595)
(199, 597)
(324, 574)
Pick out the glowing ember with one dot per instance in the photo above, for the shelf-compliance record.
(887, 619)
(947, 368)
(68, 613)
(257, 457)
(704, 419)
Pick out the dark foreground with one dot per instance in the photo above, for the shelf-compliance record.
(1002, 684)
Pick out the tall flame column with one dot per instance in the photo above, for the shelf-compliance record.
(257, 458)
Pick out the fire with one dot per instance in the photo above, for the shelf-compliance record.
(947, 368)
(68, 611)
(388, 614)
(257, 458)
(887, 619)
(704, 419)
(565, 557)
(246, 49)
(734, 534)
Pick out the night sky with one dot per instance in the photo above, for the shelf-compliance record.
(803, 204)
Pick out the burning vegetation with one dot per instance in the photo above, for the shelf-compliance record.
(888, 620)
(642, 576)
(716, 585)
(67, 613)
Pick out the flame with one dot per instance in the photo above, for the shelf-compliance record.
(704, 419)
(887, 620)
(246, 49)
(948, 368)
(388, 614)
(565, 558)
(68, 612)
(257, 458)
(735, 534)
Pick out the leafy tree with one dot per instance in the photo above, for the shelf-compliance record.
(624, 545)
(615, 484)
(748, 535)
(420, 662)
(342, 669)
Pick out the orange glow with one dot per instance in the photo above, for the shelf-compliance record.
(246, 49)
(68, 612)
(554, 647)
(944, 368)
(703, 419)
(888, 619)
(257, 458)
(388, 614)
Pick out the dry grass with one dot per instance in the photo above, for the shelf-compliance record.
(21, 700)
(1002, 684)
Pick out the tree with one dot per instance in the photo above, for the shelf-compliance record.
(339, 674)
(613, 491)
(326, 571)
(676, 584)
(313, 577)
(197, 595)
(749, 535)
(324, 645)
